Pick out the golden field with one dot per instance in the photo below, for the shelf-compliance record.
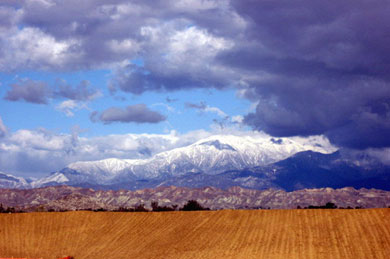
(206, 234)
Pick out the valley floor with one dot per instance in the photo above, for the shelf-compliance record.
(224, 234)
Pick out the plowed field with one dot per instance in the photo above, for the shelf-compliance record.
(207, 234)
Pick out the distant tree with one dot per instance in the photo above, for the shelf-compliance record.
(154, 205)
(192, 205)
(10, 210)
(330, 205)
(99, 210)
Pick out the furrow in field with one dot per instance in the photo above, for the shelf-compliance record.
(206, 234)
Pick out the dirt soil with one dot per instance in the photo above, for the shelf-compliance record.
(206, 234)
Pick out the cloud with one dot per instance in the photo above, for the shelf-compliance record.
(203, 107)
(82, 92)
(40, 92)
(67, 35)
(178, 58)
(29, 91)
(238, 119)
(223, 122)
(3, 129)
(138, 113)
(166, 106)
(312, 67)
(45, 52)
(69, 106)
(39, 152)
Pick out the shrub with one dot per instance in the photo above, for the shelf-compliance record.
(329, 205)
(192, 205)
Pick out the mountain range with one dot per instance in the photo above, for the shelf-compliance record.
(223, 161)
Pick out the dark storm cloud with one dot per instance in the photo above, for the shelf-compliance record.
(29, 91)
(348, 36)
(138, 113)
(319, 68)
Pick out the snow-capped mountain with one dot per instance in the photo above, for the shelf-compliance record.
(10, 181)
(223, 162)
(53, 179)
(210, 156)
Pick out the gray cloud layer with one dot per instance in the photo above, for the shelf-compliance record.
(313, 67)
(138, 113)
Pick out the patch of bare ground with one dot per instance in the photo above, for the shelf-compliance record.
(283, 234)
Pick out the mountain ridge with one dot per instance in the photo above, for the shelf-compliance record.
(212, 155)
(60, 198)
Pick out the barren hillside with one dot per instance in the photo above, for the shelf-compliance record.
(206, 234)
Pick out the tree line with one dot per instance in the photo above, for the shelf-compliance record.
(191, 205)
(328, 205)
(9, 209)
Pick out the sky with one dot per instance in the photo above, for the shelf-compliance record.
(87, 80)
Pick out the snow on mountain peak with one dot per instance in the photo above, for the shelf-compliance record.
(111, 166)
(55, 178)
(11, 181)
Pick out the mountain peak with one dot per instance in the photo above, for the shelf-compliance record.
(10, 181)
